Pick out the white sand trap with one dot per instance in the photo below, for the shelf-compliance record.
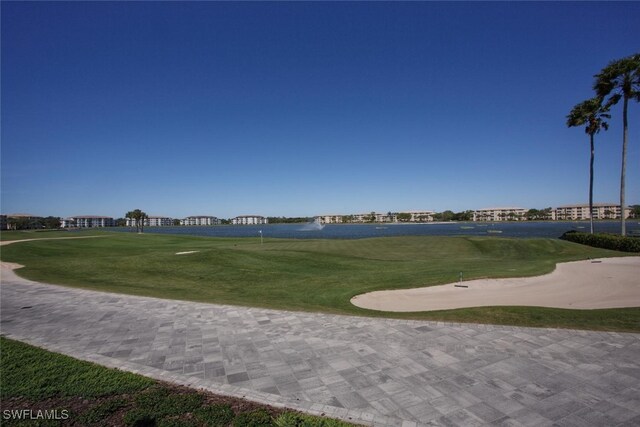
(602, 283)
(186, 252)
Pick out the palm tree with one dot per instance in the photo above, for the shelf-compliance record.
(620, 80)
(131, 215)
(138, 217)
(143, 217)
(592, 114)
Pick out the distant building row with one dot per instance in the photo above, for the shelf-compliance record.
(411, 216)
(561, 213)
(569, 212)
(90, 221)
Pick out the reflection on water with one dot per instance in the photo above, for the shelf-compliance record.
(361, 231)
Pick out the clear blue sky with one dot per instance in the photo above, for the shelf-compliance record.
(299, 109)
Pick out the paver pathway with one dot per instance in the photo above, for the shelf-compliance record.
(374, 371)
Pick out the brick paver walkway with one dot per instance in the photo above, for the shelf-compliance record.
(373, 371)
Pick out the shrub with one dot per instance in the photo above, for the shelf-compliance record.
(102, 411)
(176, 422)
(257, 418)
(292, 419)
(152, 398)
(215, 415)
(604, 241)
(160, 402)
(139, 418)
(177, 404)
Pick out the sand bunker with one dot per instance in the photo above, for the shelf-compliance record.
(186, 252)
(602, 283)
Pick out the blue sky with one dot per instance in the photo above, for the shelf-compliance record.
(299, 109)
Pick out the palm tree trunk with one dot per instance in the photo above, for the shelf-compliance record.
(624, 166)
(591, 185)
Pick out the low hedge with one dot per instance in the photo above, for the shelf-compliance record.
(604, 241)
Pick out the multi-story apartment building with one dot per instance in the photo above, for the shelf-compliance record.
(499, 214)
(415, 216)
(159, 221)
(152, 221)
(329, 219)
(3, 222)
(420, 216)
(249, 220)
(87, 221)
(581, 212)
(200, 220)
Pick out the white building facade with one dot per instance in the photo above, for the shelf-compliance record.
(200, 220)
(329, 219)
(249, 220)
(416, 216)
(87, 221)
(500, 214)
(421, 216)
(152, 221)
(581, 212)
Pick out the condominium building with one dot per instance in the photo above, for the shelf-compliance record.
(159, 221)
(415, 216)
(420, 216)
(500, 214)
(87, 221)
(200, 220)
(581, 212)
(249, 220)
(152, 221)
(329, 219)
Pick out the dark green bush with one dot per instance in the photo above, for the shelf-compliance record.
(102, 411)
(215, 415)
(161, 403)
(152, 398)
(292, 419)
(139, 418)
(176, 422)
(257, 418)
(604, 241)
(177, 404)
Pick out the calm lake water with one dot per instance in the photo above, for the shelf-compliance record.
(361, 231)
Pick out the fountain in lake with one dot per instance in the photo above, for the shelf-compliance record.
(315, 225)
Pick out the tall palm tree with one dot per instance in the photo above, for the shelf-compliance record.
(592, 114)
(620, 80)
(131, 215)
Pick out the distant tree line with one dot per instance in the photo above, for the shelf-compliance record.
(287, 220)
(33, 223)
(538, 214)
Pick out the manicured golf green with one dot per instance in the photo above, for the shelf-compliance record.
(311, 275)
(45, 234)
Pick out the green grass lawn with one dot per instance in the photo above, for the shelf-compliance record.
(312, 275)
(46, 234)
(33, 378)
